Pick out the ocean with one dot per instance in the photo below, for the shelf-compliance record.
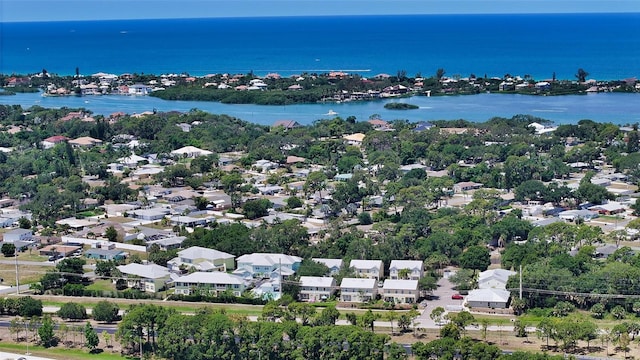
(605, 45)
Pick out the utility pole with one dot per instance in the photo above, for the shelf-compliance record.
(15, 256)
(520, 281)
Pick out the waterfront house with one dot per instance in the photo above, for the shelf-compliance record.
(358, 290)
(202, 259)
(372, 269)
(149, 278)
(209, 283)
(414, 269)
(316, 288)
(286, 124)
(400, 291)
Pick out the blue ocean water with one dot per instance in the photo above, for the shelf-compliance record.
(616, 108)
(605, 45)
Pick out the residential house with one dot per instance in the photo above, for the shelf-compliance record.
(423, 126)
(573, 215)
(400, 291)
(149, 278)
(358, 290)
(261, 265)
(105, 254)
(334, 265)
(494, 278)
(316, 288)
(414, 269)
(151, 214)
(610, 208)
(354, 139)
(202, 259)
(286, 124)
(190, 152)
(209, 283)
(85, 141)
(406, 168)
(139, 89)
(372, 269)
(14, 235)
(52, 141)
(466, 186)
(488, 298)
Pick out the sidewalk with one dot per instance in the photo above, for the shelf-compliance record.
(10, 356)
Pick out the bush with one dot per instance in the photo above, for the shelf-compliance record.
(72, 311)
(105, 311)
(30, 307)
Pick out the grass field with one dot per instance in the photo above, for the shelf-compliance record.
(27, 273)
(60, 352)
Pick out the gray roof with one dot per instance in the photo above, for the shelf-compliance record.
(150, 271)
(197, 252)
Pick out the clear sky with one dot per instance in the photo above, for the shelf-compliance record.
(60, 10)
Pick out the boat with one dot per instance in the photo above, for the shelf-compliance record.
(331, 113)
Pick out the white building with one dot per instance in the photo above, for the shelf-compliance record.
(488, 298)
(148, 278)
(372, 269)
(358, 290)
(316, 288)
(14, 235)
(211, 283)
(261, 265)
(414, 268)
(334, 265)
(495, 278)
(401, 291)
(202, 259)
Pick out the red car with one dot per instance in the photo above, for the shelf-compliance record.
(457, 297)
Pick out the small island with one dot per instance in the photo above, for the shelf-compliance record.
(400, 106)
(304, 88)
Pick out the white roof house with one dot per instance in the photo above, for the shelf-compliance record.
(494, 278)
(202, 259)
(372, 269)
(316, 288)
(415, 268)
(358, 289)
(488, 298)
(150, 271)
(149, 278)
(263, 264)
(334, 265)
(571, 215)
(400, 291)
(191, 151)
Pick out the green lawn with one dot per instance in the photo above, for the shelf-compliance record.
(60, 352)
(101, 285)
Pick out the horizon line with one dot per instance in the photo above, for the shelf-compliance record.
(329, 16)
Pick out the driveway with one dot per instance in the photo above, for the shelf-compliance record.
(441, 298)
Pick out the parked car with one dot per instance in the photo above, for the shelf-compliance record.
(457, 297)
(55, 257)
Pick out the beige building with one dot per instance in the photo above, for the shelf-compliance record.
(358, 290)
(413, 268)
(401, 291)
(371, 269)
